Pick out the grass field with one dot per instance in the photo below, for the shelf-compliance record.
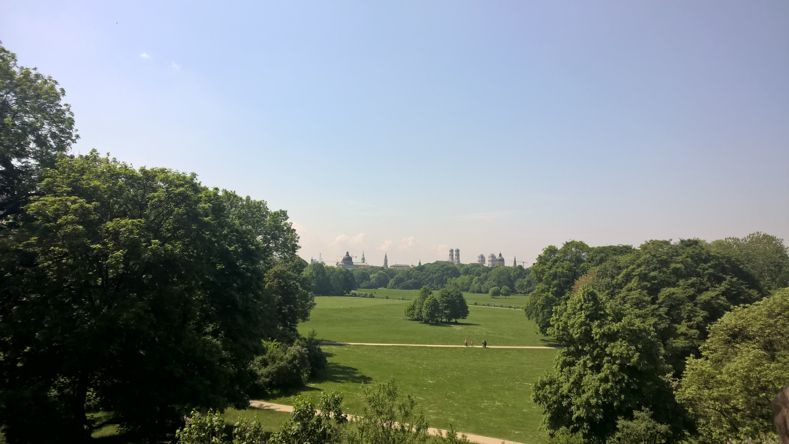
(487, 392)
(349, 319)
(516, 301)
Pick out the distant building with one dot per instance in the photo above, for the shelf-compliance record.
(346, 261)
(481, 259)
(386, 261)
(454, 256)
(493, 260)
(400, 267)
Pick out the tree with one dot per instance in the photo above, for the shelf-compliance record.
(556, 271)
(379, 279)
(763, 255)
(35, 127)
(627, 327)
(494, 291)
(431, 310)
(119, 282)
(453, 304)
(743, 364)
(414, 309)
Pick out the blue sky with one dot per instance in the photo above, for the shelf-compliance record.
(412, 127)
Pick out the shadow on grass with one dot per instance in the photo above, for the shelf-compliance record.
(342, 373)
(550, 342)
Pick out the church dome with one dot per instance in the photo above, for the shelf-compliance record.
(347, 260)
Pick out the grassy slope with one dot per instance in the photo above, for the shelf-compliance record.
(479, 391)
(350, 319)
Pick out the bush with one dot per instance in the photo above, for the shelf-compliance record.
(494, 291)
(210, 428)
(642, 429)
(203, 428)
(315, 355)
(310, 425)
(388, 418)
(505, 291)
(281, 366)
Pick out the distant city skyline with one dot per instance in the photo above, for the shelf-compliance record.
(414, 127)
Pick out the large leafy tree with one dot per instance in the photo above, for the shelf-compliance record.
(555, 272)
(627, 328)
(763, 255)
(35, 126)
(743, 364)
(140, 292)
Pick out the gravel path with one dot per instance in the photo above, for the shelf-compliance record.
(479, 439)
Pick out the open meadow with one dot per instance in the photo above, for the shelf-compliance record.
(487, 392)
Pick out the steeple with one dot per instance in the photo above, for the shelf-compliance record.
(514, 261)
(386, 261)
(363, 257)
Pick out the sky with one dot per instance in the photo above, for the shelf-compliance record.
(412, 127)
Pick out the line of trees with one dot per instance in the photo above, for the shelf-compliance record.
(474, 278)
(139, 292)
(653, 342)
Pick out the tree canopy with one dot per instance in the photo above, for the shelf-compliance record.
(743, 364)
(35, 127)
(119, 282)
(627, 327)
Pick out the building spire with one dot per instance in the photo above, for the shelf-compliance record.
(386, 261)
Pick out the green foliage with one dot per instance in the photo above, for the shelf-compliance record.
(447, 306)
(555, 272)
(120, 282)
(388, 418)
(494, 291)
(210, 428)
(763, 255)
(628, 327)
(431, 310)
(329, 281)
(35, 127)
(281, 366)
(414, 309)
(743, 365)
(309, 424)
(203, 428)
(641, 429)
(453, 304)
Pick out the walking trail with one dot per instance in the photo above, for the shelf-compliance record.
(479, 439)
(378, 344)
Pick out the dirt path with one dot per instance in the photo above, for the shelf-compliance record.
(479, 439)
(377, 344)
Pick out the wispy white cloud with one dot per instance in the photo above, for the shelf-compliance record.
(385, 245)
(145, 56)
(348, 240)
(406, 243)
(175, 66)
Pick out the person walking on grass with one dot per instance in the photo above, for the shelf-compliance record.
(484, 343)
(465, 342)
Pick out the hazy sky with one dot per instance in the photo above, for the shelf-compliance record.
(410, 127)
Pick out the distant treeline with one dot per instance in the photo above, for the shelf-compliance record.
(473, 278)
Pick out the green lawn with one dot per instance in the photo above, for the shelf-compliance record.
(350, 319)
(487, 392)
(514, 301)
